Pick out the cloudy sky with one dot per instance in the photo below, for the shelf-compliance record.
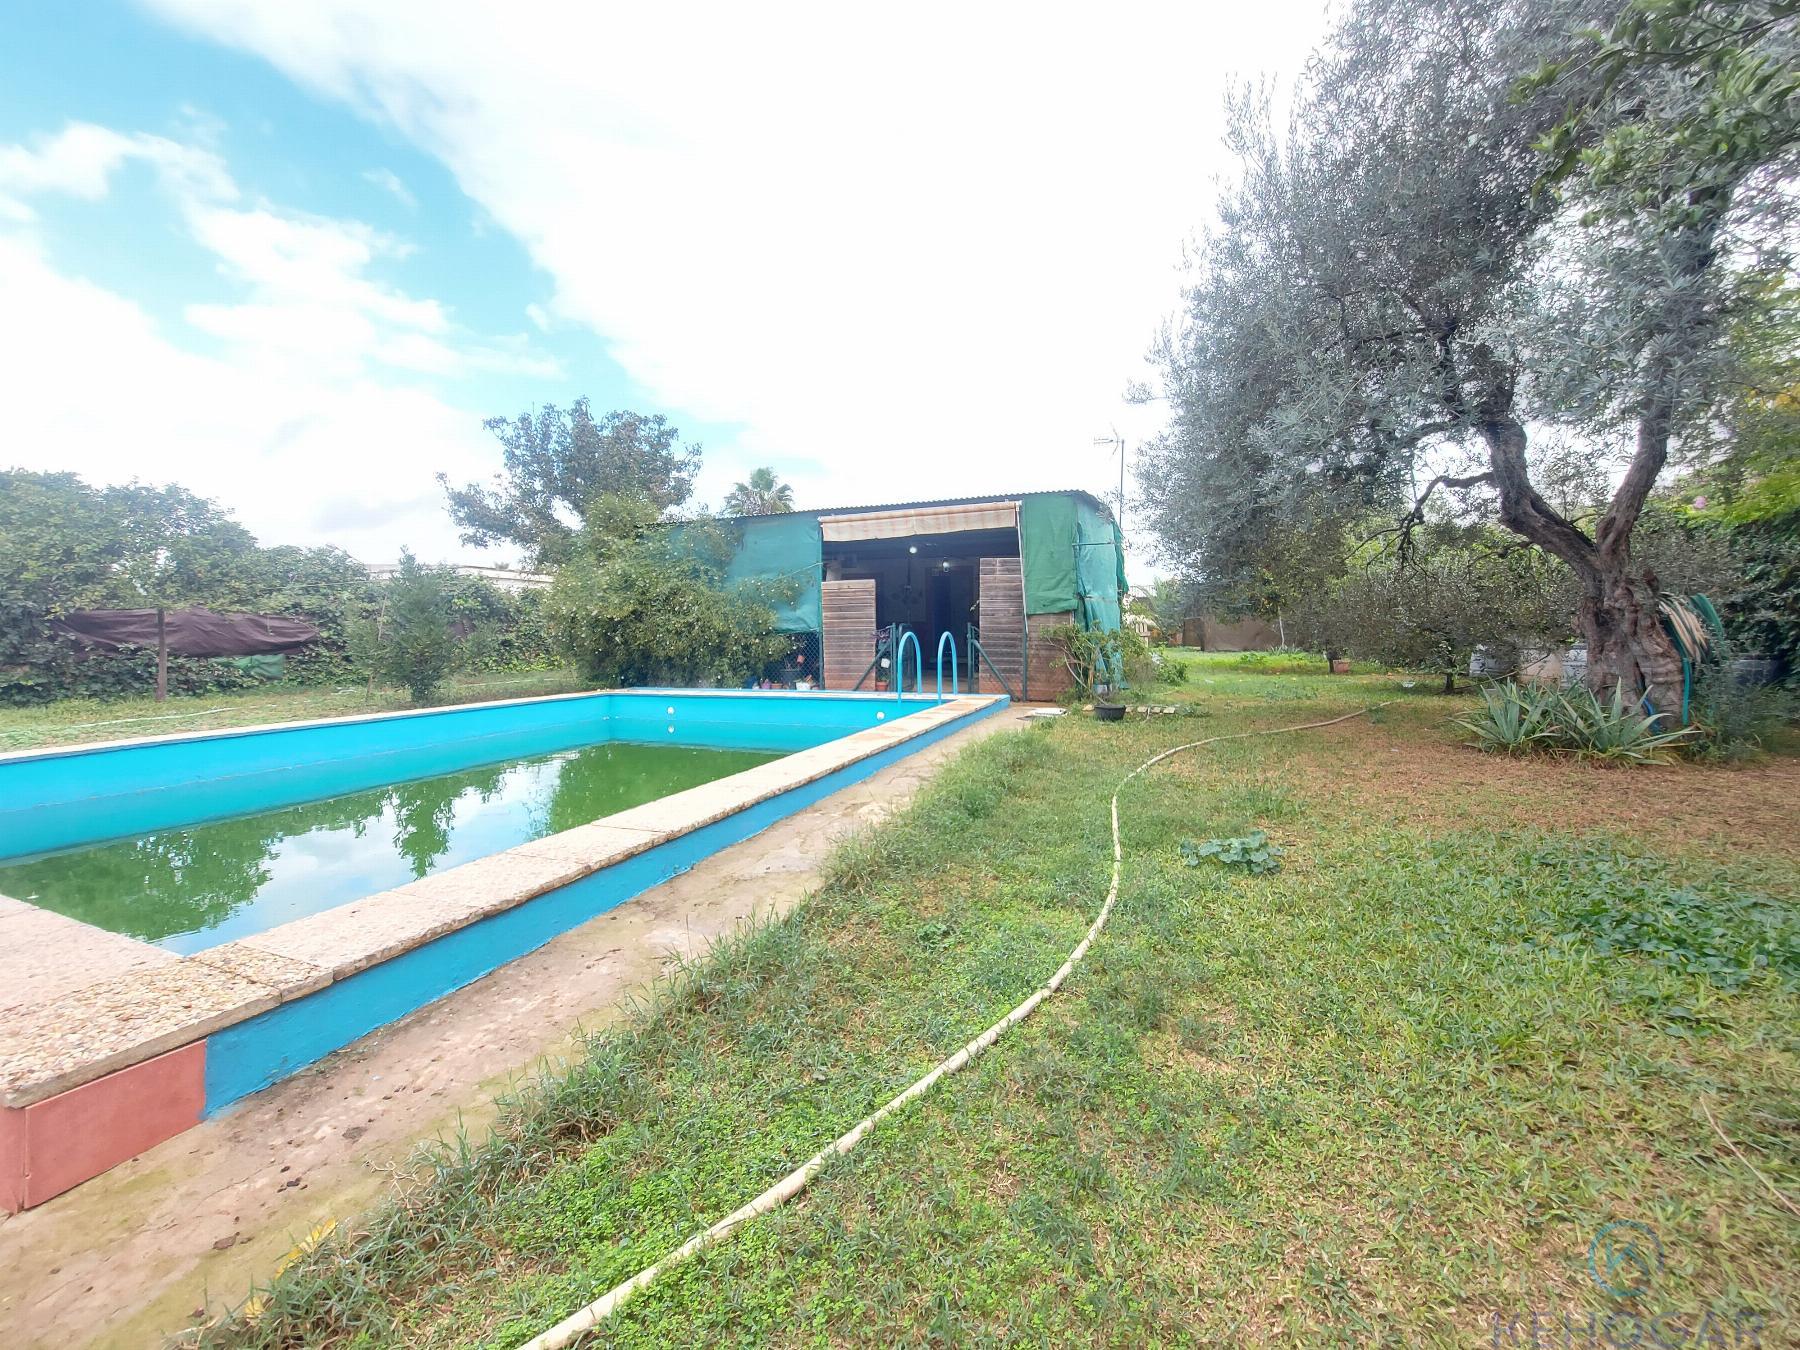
(292, 254)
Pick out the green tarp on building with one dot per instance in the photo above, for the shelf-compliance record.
(784, 549)
(1073, 558)
(1070, 550)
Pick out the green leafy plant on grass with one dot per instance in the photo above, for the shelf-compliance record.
(1514, 718)
(1615, 729)
(1253, 852)
(1517, 719)
(1627, 906)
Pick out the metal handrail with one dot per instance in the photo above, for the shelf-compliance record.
(979, 653)
(955, 673)
(883, 639)
(900, 664)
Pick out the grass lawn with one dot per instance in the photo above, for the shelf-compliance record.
(80, 720)
(1384, 1095)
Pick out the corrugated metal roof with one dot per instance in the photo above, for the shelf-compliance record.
(939, 502)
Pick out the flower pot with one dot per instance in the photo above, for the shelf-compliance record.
(1340, 667)
(1109, 712)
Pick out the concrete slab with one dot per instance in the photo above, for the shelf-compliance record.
(90, 1032)
(355, 936)
(285, 976)
(591, 846)
(44, 956)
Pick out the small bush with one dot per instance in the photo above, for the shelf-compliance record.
(1253, 852)
(1517, 719)
(416, 647)
(1167, 669)
(1102, 659)
(1732, 717)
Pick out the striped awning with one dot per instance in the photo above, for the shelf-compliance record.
(925, 520)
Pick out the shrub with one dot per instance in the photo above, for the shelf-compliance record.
(416, 648)
(1167, 669)
(639, 604)
(1518, 718)
(1732, 717)
(1102, 659)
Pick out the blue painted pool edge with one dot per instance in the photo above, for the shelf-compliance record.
(256, 1053)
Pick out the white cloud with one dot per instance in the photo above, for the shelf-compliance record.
(300, 457)
(307, 423)
(389, 181)
(80, 160)
(294, 424)
(924, 248)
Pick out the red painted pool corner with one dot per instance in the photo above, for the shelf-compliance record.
(60, 1142)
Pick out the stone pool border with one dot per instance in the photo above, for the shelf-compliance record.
(94, 1074)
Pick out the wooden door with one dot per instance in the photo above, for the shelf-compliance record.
(849, 616)
(1002, 607)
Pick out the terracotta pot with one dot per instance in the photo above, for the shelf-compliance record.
(1340, 667)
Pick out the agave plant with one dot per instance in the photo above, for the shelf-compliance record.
(1514, 718)
(1615, 730)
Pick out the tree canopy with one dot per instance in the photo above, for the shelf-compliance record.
(636, 604)
(762, 494)
(1481, 223)
(553, 467)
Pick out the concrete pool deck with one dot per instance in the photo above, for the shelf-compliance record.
(195, 1220)
(109, 1045)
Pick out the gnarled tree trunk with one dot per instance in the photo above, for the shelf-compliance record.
(1626, 641)
(1618, 614)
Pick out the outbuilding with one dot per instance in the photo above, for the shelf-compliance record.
(999, 571)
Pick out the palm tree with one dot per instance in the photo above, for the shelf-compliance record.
(763, 495)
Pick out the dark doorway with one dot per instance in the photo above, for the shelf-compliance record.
(930, 583)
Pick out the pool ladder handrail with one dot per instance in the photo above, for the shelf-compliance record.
(955, 672)
(978, 654)
(900, 664)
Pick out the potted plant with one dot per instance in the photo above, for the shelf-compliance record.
(1095, 659)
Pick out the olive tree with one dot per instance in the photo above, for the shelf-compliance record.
(1458, 590)
(1434, 260)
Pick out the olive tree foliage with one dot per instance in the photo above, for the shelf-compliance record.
(554, 465)
(1458, 589)
(638, 602)
(1482, 220)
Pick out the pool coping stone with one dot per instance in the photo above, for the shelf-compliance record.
(110, 1024)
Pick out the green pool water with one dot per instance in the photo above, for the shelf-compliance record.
(189, 889)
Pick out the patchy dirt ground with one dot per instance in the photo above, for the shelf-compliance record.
(129, 1257)
(1390, 768)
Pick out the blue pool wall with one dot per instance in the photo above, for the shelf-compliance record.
(256, 1053)
(62, 799)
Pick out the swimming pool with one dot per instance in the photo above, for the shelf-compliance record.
(110, 1042)
(187, 889)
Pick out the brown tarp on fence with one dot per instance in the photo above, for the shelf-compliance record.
(190, 632)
